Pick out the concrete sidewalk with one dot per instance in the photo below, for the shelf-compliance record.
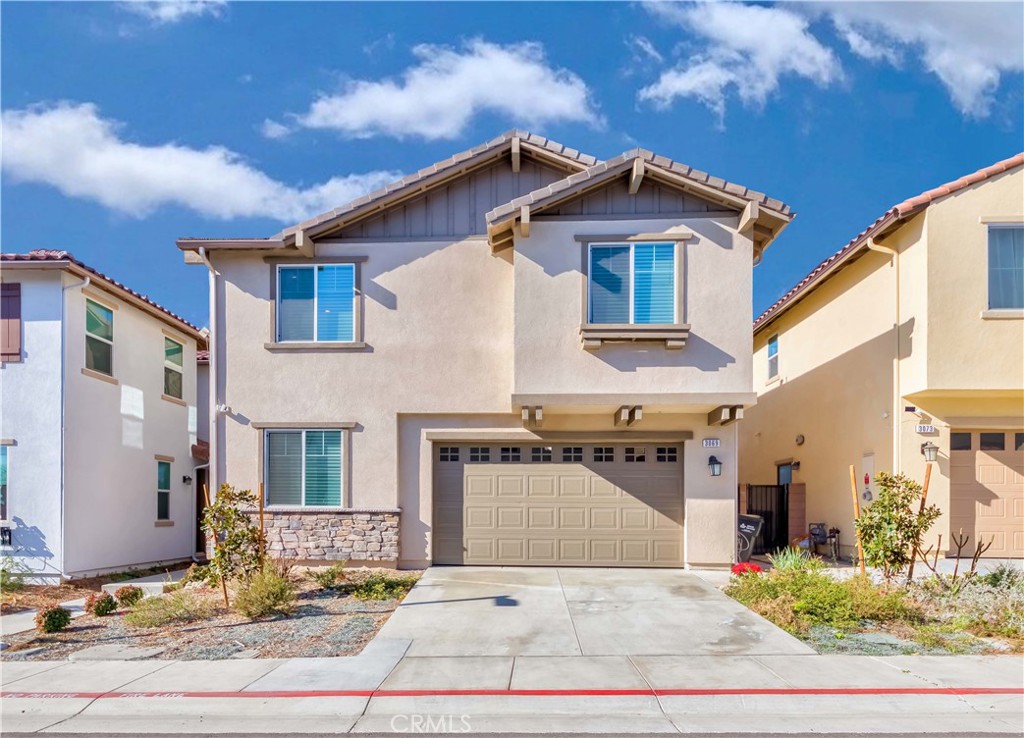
(383, 689)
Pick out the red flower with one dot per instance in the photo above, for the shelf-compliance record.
(746, 568)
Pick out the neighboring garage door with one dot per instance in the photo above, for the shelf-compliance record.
(564, 505)
(987, 490)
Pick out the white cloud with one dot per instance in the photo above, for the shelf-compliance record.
(70, 147)
(437, 98)
(643, 49)
(746, 49)
(968, 46)
(163, 12)
(274, 130)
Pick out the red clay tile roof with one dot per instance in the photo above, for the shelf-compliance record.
(201, 450)
(203, 356)
(54, 256)
(892, 216)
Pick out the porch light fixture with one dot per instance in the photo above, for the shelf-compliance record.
(930, 451)
(715, 466)
(186, 479)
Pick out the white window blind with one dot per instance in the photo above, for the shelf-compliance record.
(316, 303)
(304, 467)
(633, 283)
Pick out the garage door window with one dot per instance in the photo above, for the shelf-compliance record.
(636, 454)
(959, 441)
(511, 453)
(993, 442)
(449, 453)
(479, 453)
(540, 454)
(572, 454)
(604, 453)
(667, 454)
(303, 468)
(1018, 441)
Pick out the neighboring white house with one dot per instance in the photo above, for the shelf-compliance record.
(518, 355)
(99, 421)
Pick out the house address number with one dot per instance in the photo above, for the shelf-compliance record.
(926, 429)
(712, 443)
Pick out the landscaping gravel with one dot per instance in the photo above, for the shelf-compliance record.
(323, 623)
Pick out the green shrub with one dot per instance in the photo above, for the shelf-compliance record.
(53, 619)
(268, 592)
(879, 603)
(1004, 576)
(795, 600)
(183, 606)
(100, 604)
(329, 577)
(238, 549)
(793, 559)
(891, 526)
(378, 586)
(12, 574)
(129, 595)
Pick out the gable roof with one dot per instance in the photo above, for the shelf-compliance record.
(890, 220)
(639, 162)
(49, 258)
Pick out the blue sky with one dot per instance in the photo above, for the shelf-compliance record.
(128, 125)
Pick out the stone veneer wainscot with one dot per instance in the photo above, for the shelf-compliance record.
(357, 535)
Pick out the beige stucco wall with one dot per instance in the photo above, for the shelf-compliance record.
(839, 371)
(450, 330)
(113, 434)
(714, 272)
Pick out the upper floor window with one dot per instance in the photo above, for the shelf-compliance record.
(773, 357)
(173, 368)
(632, 283)
(303, 467)
(316, 303)
(10, 321)
(1006, 267)
(99, 338)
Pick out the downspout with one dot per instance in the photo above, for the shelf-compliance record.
(897, 399)
(63, 407)
(214, 401)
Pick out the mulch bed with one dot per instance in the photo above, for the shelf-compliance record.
(324, 623)
(36, 596)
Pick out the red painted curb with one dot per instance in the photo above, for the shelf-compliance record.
(382, 693)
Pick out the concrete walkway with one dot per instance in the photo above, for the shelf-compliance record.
(535, 651)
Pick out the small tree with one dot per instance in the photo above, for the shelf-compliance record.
(237, 538)
(891, 526)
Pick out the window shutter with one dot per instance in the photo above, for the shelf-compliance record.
(323, 468)
(10, 322)
(295, 304)
(336, 302)
(609, 284)
(284, 468)
(654, 283)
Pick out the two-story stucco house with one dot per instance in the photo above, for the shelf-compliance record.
(99, 420)
(911, 334)
(518, 355)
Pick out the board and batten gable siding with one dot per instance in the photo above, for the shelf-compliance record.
(30, 421)
(456, 209)
(651, 199)
(115, 432)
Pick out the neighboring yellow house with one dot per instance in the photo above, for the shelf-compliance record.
(913, 333)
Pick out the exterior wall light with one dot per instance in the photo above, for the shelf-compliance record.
(930, 451)
(715, 466)
(186, 479)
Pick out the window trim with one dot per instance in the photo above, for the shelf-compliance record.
(344, 499)
(174, 367)
(356, 344)
(989, 312)
(110, 342)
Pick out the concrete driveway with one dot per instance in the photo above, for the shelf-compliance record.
(497, 611)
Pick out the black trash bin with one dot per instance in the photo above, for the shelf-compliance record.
(748, 528)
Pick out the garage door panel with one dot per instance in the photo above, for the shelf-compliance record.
(594, 509)
(987, 496)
